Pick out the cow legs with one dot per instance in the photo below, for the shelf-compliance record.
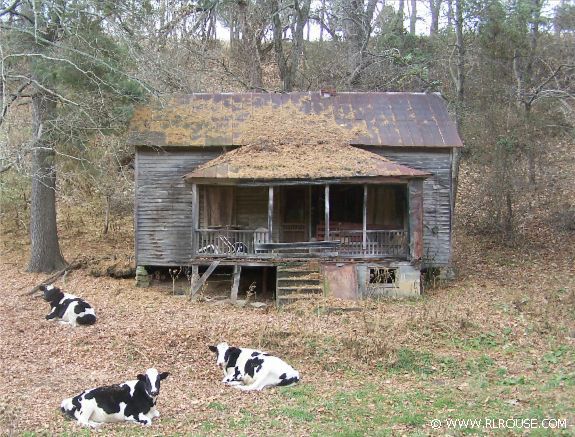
(83, 416)
(153, 413)
(263, 381)
(142, 418)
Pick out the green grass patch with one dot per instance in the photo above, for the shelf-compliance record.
(412, 361)
(484, 340)
(217, 406)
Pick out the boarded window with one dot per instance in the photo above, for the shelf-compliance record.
(382, 276)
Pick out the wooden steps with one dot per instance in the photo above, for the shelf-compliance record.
(298, 281)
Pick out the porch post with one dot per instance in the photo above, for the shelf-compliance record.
(364, 233)
(415, 189)
(195, 218)
(309, 215)
(326, 227)
(270, 212)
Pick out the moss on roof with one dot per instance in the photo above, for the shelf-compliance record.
(300, 161)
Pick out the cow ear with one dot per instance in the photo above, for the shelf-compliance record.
(141, 377)
(164, 375)
(213, 349)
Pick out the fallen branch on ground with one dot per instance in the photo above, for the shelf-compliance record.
(74, 265)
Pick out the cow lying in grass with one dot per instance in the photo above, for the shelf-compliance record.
(133, 401)
(67, 307)
(249, 369)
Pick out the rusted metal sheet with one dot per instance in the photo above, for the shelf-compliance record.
(389, 119)
(341, 280)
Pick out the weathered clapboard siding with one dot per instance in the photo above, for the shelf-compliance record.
(436, 198)
(164, 204)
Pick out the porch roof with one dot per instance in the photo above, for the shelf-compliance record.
(280, 162)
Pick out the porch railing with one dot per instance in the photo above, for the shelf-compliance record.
(242, 243)
(229, 242)
(378, 243)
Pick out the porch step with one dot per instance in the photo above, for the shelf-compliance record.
(293, 298)
(297, 281)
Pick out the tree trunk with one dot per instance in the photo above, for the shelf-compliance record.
(288, 65)
(357, 32)
(322, 18)
(45, 254)
(434, 7)
(413, 17)
(398, 27)
(459, 87)
(250, 47)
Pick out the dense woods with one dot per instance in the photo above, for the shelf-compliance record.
(72, 70)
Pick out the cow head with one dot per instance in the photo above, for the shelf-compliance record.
(151, 380)
(51, 293)
(220, 351)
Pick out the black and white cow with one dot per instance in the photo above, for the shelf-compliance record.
(249, 369)
(133, 401)
(67, 307)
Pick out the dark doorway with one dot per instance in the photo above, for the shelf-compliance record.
(293, 214)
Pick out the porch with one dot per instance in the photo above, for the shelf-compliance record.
(289, 221)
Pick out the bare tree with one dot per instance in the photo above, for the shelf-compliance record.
(298, 17)
(413, 17)
(434, 9)
(458, 78)
(357, 28)
(398, 27)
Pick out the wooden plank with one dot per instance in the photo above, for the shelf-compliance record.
(195, 217)
(270, 211)
(136, 205)
(309, 214)
(236, 283)
(299, 245)
(364, 230)
(326, 210)
(415, 220)
(198, 284)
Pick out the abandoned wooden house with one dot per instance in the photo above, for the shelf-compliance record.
(344, 218)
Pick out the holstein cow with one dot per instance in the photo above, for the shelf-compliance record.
(249, 369)
(133, 401)
(67, 307)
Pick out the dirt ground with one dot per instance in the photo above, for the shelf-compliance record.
(44, 362)
(499, 339)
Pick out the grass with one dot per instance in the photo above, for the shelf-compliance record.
(415, 388)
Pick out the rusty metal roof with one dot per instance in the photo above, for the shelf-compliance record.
(300, 161)
(385, 119)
